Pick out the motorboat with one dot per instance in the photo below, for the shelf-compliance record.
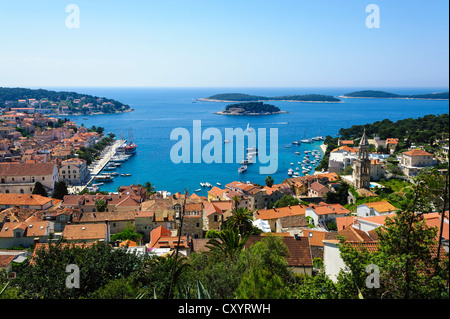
(202, 184)
(242, 169)
(208, 184)
(125, 175)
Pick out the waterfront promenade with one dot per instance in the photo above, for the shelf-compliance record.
(96, 167)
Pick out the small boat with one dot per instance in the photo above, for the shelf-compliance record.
(202, 184)
(198, 190)
(292, 163)
(296, 173)
(194, 101)
(287, 146)
(125, 175)
(109, 168)
(208, 184)
(297, 168)
(218, 184)
(98, 184)
(103, 178)
(227, 141)
(242, 169)
(114, 174)
(296, 142)
(85, 118)
(117, 164)
(298, 153)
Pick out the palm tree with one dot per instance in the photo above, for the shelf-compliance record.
(228, 243)
(236, 200)
(241, 220)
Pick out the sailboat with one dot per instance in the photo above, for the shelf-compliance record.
(306, 139)
(318, 137)
(131, 147)
(249, 129)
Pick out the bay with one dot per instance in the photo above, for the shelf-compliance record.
(158, 111)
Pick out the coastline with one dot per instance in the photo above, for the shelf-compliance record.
(81, 114)
(252, 114)
(390, 98)
(228, 101)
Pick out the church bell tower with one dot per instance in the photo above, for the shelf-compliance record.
(361, 171)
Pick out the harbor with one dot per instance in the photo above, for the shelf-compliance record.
(96, 168)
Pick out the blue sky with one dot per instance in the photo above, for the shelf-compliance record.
(201, 43)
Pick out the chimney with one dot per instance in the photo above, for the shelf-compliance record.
(107, 231)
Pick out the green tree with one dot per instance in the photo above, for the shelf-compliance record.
(286, 200)
(98, 263)
(269, 181)
(60, 190)
(39, 189)
(241, 219)
(129, 233)
(100, 205)
(228, 244)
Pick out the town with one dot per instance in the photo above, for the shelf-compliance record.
(45, 200)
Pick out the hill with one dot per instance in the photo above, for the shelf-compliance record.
(240, 97)
(53, 100)
(250, 108)
(385, 95)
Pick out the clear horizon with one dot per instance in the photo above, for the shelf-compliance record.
(204, 44)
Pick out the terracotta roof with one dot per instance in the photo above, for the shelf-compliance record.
(98, 217)
(316, 237)
(325, 209)
(345, 148)
(31, 169)
(274, 213)
(24, 199)
(373, 247)
(293, 221)
(30, 229)
(381, 207)
(318, 187)
(156, 233)
(344, 221)
(85, 231)
(417, 152)
(353, 234)
(299, 250)
(5, 260)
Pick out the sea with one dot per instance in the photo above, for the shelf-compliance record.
(160, 112)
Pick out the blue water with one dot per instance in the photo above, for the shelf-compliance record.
(159, 110)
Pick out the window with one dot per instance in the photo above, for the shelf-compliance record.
(63, 172)
(43, 178)
(215, 218)
(74, 171)
(21, 191)
(197, 225)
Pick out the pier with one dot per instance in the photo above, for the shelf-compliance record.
(96, 167)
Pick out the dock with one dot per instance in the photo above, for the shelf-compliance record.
(96, 167)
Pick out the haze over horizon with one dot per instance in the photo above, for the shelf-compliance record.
(231, 44)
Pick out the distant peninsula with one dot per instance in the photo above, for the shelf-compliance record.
(240, 97)
(387, 95)
(251, 108)
(58, 103)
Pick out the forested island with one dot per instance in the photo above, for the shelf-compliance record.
(387, 95)
(58, 102)
(240, 97)
(251, 108)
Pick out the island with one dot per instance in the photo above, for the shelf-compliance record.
(251, 108)
(386, 95)
(50, 102)
(240, 97)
